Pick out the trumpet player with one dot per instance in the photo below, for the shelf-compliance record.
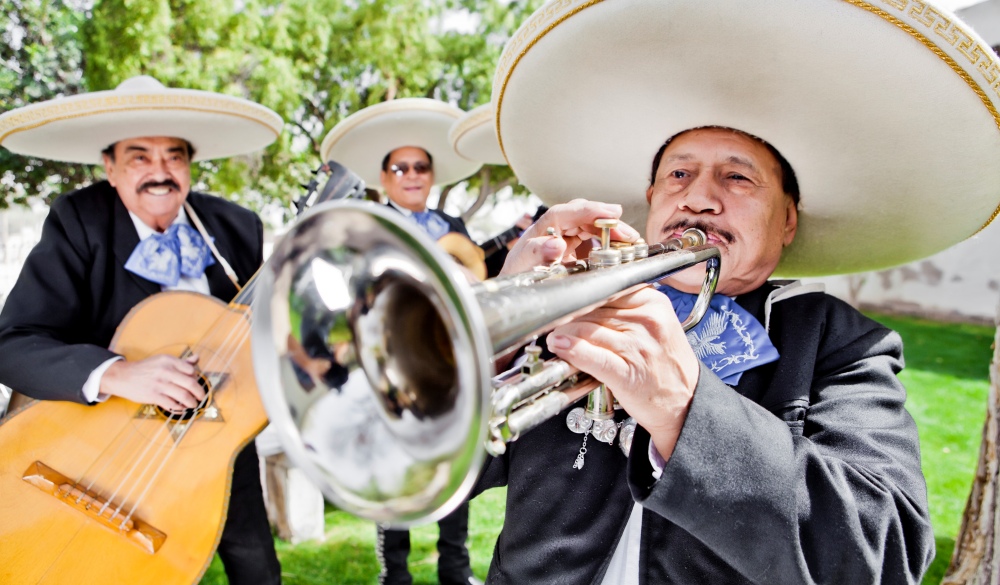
(771, 445)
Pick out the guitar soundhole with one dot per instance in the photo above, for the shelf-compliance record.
(189, 413)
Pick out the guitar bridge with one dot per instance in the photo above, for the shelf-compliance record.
(89, 503)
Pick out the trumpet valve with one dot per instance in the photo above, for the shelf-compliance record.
(641, 248)
(626, 249)
(605, 256)
(533, 364)
(600, 404)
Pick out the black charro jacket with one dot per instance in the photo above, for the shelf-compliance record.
(808, 471)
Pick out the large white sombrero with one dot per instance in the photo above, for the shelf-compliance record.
(361, 140)
(474, 136)
(77, 128)
(887, 110)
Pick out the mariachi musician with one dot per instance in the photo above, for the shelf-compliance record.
(107, 247)
(403, 145)
(772, 445)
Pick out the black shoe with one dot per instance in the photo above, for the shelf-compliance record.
(396, 578)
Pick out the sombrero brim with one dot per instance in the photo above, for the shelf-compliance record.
(77, 128)
(474, 136)
(887, 111)
(361, 140)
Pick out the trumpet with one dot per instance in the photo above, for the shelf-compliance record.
(375, 356)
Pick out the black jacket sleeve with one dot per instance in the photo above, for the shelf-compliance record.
(46, 326)
(832, 494)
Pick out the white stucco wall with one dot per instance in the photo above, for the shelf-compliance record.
(961, 283)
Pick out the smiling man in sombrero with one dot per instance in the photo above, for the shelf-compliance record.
(805, 138)
(106, 248)
(403, 145)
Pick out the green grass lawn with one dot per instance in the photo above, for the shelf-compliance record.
(347, 557)
(947, 381)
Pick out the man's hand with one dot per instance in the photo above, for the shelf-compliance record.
(636, 346)
(572, 224)
(163, 380)
(634, 343)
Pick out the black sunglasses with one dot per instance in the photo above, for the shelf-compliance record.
(421, 168)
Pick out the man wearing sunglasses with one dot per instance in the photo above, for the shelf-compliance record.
(403, 145)
(407, 177)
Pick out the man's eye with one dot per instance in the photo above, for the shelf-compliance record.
(678, 174)
(738, 177)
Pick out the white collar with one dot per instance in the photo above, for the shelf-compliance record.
(786, 290)
(145, 231)
(403, 210)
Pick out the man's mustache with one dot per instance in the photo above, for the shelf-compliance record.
(681, 225)
(154, 184)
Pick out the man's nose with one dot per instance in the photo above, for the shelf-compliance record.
(159, 168)
(702, 196)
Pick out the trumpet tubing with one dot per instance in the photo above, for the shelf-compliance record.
(374, 354)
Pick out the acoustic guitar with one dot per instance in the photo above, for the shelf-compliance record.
(126, 493)
(500, 241)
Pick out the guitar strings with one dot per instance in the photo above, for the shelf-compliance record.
(186, 427)
(231, 347)
(122, 442)
(173, 442)
(154, 440)
(243, 330)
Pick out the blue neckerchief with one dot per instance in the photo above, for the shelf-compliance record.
(432, 223)
(728, 339)
(164, 258)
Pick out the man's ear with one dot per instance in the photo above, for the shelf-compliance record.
(649, 195)
(383, 177)
(107, 169)
(791, 221)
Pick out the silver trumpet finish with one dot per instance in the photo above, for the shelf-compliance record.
(374, 354)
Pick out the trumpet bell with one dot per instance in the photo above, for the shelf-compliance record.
(362, 340)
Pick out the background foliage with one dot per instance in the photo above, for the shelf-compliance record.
(312, 61)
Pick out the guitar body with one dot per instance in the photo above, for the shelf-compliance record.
(47, 536)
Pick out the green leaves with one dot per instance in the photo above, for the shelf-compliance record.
(312, 61)
(41, 59)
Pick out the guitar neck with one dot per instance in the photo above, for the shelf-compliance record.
(494, 244)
